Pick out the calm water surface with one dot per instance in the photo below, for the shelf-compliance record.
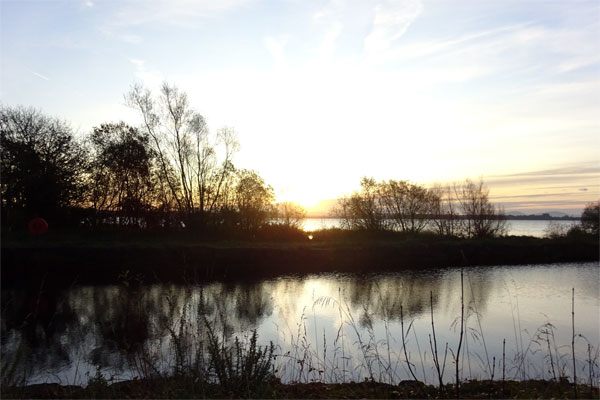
(536, 228)
(326, 327)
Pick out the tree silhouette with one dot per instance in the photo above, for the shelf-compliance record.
(188, 167)
(290, 214)
(481, 217)
(590, 218)
(445, 219)
(407, 205)
(363, 210)
(43, 166)
(122, 172)
(253, 198)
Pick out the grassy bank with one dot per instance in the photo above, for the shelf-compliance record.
(100, 257)
(244, 369)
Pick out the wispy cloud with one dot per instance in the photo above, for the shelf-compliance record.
(391, 20)
(561, 195)
(125, 37)
(576, 63)
(171, 12)
(44, 77)
(331, 16)
(578, 169)
(131, 38)
(431, 47)
(131, 14)
(562, 187)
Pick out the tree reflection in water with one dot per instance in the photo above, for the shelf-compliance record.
(133, 328)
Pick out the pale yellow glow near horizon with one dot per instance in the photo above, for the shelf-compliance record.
(324, 93)
(533, 193)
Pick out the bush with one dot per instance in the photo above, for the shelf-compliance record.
(242, 370)
(590, 218)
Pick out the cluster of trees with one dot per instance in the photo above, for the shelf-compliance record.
(170, 171)
(456, 210)
(590, 218)
(43, 167)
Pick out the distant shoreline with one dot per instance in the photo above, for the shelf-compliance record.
(542, 217)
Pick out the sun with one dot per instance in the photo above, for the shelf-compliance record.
(306, 199)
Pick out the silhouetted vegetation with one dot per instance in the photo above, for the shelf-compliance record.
(42, 165)
(290, 214)
(192, 180)
(171, 173)
(458, 210)
(168, 174)
(123, 184)
(590, 218)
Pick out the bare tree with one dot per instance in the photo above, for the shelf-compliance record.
(180, 123)
(189, 160)
(363, 210)
(290, 214)
(253, 199)
(444, 211)
(212, 178)
(141, 99)
(407, 205)
(590, 218)
(481, 217)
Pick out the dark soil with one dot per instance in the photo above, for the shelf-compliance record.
(186, 388)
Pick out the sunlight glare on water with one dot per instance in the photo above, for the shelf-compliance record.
(346, 326)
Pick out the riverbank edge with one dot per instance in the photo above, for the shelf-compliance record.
(185, 388)
(188, 263)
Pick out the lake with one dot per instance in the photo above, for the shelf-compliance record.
(328, 327)
(536, 228)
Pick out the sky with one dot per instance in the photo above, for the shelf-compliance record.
(322, 93)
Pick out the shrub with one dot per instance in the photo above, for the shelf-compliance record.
(590, 218)
(241, 369)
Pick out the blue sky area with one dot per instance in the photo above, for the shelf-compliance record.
(324, 92)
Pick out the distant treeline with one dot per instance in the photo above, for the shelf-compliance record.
(457, 210)
(461, 209)
(508, 217)
(542, 217)
(171, 172)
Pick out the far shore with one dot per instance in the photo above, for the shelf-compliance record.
(529, 217)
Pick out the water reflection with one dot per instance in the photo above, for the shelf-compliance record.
(68, 332)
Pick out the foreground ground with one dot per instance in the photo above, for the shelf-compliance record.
(174, 388)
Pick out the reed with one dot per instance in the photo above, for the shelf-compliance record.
(573, 341)
(434, 349)
(460, 338)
